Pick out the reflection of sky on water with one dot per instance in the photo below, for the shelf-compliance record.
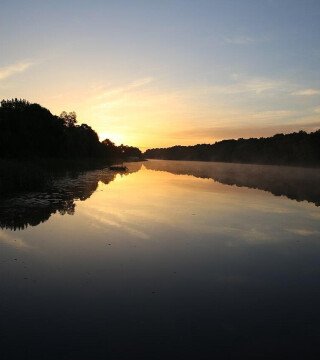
(156, 254)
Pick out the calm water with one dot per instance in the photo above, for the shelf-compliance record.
(173, 260)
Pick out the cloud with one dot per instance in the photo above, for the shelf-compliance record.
(246, 85)
(273, 114)
(13, 241)
(141, 82)
(120, 112)
(10, 70)
(142, 114)
(307, 92)
(303, 232)
(239, 40)
(255, 86)
(244, 39)
(117, 91)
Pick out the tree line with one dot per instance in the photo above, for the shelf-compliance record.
(30, 131)
(298, 148)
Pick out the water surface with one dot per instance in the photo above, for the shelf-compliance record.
(171, 260)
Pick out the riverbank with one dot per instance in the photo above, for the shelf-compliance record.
(30, 175)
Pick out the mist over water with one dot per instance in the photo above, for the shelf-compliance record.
(171, 260)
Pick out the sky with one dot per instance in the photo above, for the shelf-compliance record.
(154, 73)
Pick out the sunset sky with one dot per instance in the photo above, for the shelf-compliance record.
(153, 73)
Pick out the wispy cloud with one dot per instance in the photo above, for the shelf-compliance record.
(239, 40)
(13, 241)
(10, 70)
(143, 111)
(244, 39)
(121, 90)
(303, 232)
(307, 92)
(246, 85)
(273, 114)
(251, 85)
(141, 82)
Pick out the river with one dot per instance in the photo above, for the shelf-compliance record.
(171, 260)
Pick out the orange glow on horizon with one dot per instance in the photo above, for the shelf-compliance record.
(141, 114)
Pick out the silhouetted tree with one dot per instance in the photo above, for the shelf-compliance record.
(122, 152)
(30, 131)
(298, 148)
(68, 119)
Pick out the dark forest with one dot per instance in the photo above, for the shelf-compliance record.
(30, 131)
(299, 148)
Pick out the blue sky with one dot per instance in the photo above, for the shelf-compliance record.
(158, 73)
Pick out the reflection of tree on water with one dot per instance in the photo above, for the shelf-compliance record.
(34, 208)
(294, 183)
